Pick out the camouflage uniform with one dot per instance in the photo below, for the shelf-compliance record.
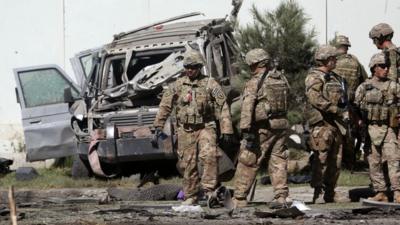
(379, 100)
(382, 32)
(350, 69)
(324, 91)
(197, 104)
(263, 113)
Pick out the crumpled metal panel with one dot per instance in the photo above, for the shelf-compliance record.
(38, 138)
(155, 75)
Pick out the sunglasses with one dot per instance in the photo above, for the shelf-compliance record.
(383, 66)
(192, 67)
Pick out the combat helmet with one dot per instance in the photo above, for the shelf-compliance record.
(256, 55)
(380, 30)
(378, 58)
(342, 40)
(324, 52)
(193, 58)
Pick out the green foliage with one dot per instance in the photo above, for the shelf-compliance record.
(283, 34)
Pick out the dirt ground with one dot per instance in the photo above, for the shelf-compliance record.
(95, 206)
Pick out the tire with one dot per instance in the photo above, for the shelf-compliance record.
(80, 168)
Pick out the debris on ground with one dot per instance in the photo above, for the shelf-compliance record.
(153, 193)
(5, 165)
(26, 173)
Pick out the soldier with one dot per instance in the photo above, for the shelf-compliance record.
(325, 113)
(350, 69)
(378, 99)
(382, 35)
(264, 126)
(198, 101)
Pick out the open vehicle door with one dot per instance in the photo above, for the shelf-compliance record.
(45, 117)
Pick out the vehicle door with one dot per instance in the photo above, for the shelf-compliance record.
(82, 65)
(45, 116)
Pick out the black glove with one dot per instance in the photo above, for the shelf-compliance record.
(156, 135)
(250, 140)
(227, 139)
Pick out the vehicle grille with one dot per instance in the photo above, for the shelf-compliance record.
(133, 120)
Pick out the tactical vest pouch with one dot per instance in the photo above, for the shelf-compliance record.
(199, 119)
(260, 113)
(321, 138)
(384, 113)
(374, 96)
(312, 115)
(279, 124)
(376, 114)
(333, 92)
(277, 93)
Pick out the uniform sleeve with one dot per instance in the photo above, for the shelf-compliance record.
(165, 107)
(359, 96)
(314, 87)
(221, 108)
(248, 103)
(397, 93)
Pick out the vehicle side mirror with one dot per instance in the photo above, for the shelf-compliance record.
(68, 95)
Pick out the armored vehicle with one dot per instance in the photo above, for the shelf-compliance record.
(112, 106)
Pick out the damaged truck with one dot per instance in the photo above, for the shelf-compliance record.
(112, 106)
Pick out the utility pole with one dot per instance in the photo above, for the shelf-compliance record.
(63, 33)
(326, 22)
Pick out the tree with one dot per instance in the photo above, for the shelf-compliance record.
(284, 35)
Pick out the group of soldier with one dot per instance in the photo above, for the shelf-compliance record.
(339, 95)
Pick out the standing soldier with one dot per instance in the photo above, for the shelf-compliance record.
(382, 35)
(350, 69)
(325, 114)
(198, 101)
(264, 127)
(378, 98)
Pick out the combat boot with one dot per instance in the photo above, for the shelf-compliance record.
(329, 196)
(239, 202)
(396, 197)
(190, 201)
(318, 197)
(212, 199)
(278, 203)
(379, 197)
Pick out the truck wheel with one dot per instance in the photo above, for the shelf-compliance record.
(80, 168)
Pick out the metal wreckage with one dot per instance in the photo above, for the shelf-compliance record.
(116, 98)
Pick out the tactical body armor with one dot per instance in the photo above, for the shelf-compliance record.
(332, 92)
(272, 97)
(348, 67)
(379, 104)
(194, 105)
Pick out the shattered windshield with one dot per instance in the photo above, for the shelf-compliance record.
(43, 87)
(142, 68)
